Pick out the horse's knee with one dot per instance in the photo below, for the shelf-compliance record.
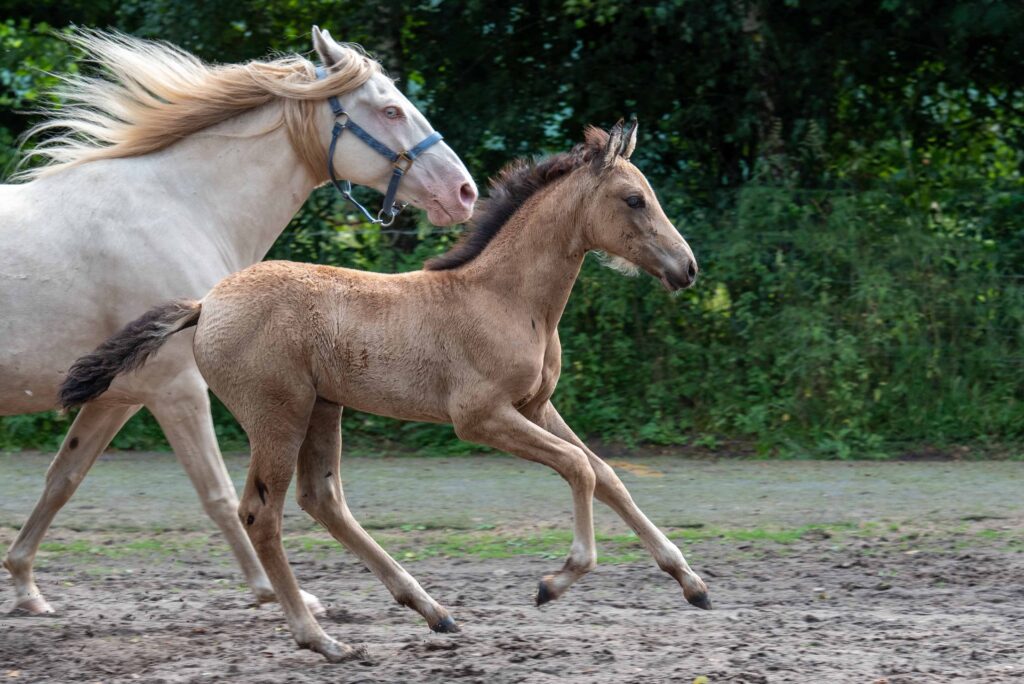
(262, 530)
(220, 506)
(261, 522)
(609, 488)
(312, 503)
(324, 505)
(60, 486)
(578, 471)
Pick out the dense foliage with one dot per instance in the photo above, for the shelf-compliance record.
(849, 175)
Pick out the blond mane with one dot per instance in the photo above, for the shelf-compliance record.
(151, 94)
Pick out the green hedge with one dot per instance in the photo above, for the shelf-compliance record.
(831, 323)
(883, 311)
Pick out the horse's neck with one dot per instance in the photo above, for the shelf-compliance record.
(537, 257)
(242, 177)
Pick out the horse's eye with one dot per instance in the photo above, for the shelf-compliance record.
(635, 201)
(393, 112)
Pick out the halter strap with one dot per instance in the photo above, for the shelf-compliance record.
(401, 161)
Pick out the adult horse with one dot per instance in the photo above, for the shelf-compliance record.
(472, 341)
(167, 175)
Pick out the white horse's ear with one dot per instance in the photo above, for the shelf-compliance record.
(611, 148)
(629, 139)
(329, 50)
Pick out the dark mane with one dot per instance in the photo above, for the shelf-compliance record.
(510, 189)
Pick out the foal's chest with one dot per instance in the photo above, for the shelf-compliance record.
(532, 374)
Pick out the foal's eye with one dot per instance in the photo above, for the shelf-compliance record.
(393, 112)
(635, 201)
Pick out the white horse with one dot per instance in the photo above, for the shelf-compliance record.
(166, 176)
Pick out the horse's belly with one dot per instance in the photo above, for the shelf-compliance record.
(400, 411)
(25, 395)
(37, 345)
(392, 395)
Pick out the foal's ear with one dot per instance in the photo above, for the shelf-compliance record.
(606, 157)
(629, 138)
(328, 49)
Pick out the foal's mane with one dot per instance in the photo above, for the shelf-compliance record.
(149, 95)
(520, 180)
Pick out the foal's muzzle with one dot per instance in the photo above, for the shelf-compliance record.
(679, 276)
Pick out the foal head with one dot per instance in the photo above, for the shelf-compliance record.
(622, 215)
(605, 202)
(437, 182)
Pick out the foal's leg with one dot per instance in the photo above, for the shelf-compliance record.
(320, 494)
(90, 433)
(610, 491)
(276, 437)
(507, 429)
(184, 416)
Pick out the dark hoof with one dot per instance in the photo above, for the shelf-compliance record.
(446, 626)
(701, 601)
(543, 594)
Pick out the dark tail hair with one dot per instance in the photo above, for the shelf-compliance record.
(91, 375)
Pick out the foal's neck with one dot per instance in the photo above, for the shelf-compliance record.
(535, 258)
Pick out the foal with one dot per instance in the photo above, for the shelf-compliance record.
(472, 340)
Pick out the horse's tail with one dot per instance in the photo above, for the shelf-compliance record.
(91, 375)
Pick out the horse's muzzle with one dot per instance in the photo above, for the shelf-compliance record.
(680, 276)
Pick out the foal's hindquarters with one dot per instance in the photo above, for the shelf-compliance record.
(257, 342)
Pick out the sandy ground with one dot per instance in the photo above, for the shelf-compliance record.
(819, 572)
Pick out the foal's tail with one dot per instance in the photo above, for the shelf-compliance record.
(126, 350)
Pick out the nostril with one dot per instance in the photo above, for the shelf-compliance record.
(691, 270)
(467, 194)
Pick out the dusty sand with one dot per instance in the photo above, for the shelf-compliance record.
(925, 588)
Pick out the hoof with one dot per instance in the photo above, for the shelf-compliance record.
(36, 605)
(700, 601)
(313, 603)
(543, 594)
(336, 652)
(446, 626)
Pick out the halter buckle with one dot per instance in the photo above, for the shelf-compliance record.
(403, 162)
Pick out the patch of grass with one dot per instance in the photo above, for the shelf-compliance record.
(433, 543)
(422, 541)
(547, 543)
(160, 546)
(419, 542)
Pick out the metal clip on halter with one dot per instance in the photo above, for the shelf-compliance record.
(401, 161)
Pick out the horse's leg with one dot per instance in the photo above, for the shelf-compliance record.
(90, 433)
(320, 494)
(184, 416)
(507, 429)
(276, 435)
(610, 491)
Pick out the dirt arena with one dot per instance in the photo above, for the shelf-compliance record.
(819, 572)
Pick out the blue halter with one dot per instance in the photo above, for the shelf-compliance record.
(401, 161)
